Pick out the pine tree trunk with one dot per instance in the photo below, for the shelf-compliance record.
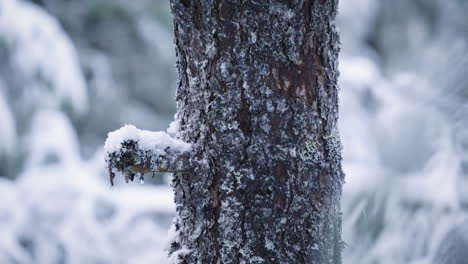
(257, 98)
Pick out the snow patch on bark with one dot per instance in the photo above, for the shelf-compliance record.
(132, 152)
(177, 256)
(174, 127)
(175, 252)
(147, 140)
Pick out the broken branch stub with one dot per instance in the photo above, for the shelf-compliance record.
(133, 152)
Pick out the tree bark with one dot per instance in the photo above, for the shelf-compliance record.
(257, 99)
(257, 157)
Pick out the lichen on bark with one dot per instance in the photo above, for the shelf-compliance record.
(257, 98)
(257, 101)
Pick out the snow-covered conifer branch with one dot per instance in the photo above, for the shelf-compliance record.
(134, 152)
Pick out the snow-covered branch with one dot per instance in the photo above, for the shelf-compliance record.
(134, 152)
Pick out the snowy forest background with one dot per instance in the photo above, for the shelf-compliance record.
(71, 71)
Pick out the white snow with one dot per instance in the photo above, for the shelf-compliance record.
(64, 209)
(8, 136)
(61, 209)
(176, 256)
(400, 162)
(147, 140)
(403, 185)
(174, 127)
(172, 236)
(52, 139)
(44, 54)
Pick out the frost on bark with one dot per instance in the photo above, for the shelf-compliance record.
(257, 101)
(133, 152)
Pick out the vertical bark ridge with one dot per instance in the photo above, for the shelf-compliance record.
(257, 98)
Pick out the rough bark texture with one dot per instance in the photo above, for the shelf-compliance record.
(257, 98)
